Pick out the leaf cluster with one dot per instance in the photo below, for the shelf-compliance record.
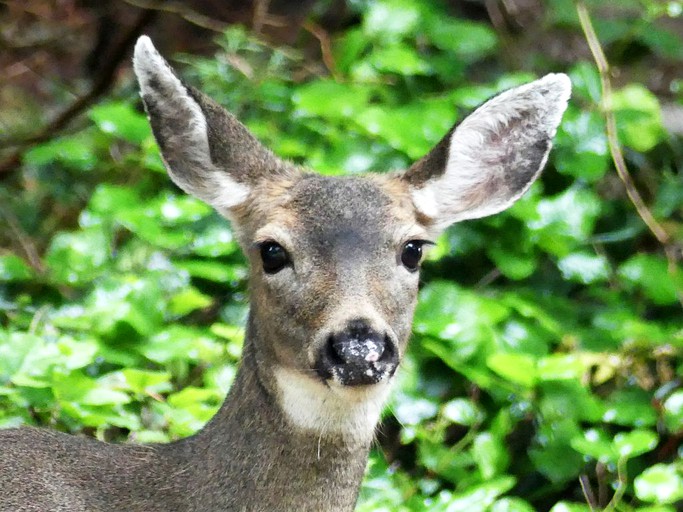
(546, 364)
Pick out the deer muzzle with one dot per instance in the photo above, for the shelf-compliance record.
(357, 355)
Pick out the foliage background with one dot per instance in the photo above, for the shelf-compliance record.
(546, 367)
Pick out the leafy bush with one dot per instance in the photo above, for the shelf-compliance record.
(546, 363)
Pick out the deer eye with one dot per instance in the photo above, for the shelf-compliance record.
(274, 257)
(411, 255)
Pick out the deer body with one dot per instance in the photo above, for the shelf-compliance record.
(333, 285)
(213, 470)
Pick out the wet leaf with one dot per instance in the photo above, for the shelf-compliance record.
(660, 483)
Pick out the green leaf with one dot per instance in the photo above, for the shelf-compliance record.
(146, 381)
(412, 410)
(631, 444)
(586, 82)
(138, 302)
(565, 506)
(462, 411)
(581, 145)
(511, 505)
(556, 461)
(490, 455)
(517, 368)
(76, 354)
(468, 40)
(400, 59)
(121, 120)
(662, 41)
(177, 343)
(188, 300)
(391, 19)
(13, 268)
(330, 100)
(596, 444)
(639, 118)
(347, 49)
(673, 411)
(478, 498)
(561, 367)
(656, 508)
(79, 389)
(566, 219)
(630, 408)
(77, 258)
(405, 129)
(17, 352)
(461, 318)
(74, 151)
(513, 264)
(216, 240)
(651, 274)
(660, 483)
(584, 268)
(213, 270)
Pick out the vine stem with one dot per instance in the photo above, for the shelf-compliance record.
(613, 141)
(612, 138)
(622, 481)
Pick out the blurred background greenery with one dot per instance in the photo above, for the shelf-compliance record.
(546, 366)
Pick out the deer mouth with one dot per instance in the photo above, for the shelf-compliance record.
(357, 356)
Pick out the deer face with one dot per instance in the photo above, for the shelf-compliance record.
(335, 260)
(335, 270)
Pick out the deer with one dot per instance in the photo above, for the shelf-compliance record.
(334, 273)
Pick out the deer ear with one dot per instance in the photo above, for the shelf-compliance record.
(484, 164)
(208, 153)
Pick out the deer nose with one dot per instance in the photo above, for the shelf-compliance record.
(358, 344)
(358, 355)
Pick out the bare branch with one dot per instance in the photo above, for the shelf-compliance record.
(102, 84)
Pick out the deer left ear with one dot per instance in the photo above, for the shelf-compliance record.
(490, 159)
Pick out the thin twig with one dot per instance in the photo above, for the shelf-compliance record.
(588, 492)
(490, 277)
(102, 84)
(25, 242)
(612, 138)
(671, 251)
(182, 10)
(260, 14)
(325, 46)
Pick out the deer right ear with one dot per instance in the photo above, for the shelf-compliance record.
(484, 164)
(208, 153)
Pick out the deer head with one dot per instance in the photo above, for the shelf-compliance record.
(335, 260)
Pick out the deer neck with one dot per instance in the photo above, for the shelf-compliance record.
(253, 456)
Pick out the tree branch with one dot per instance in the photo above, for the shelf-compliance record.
(101, 85)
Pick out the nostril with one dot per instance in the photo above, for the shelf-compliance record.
(388, 354)
(332, 353)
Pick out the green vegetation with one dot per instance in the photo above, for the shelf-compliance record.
(546, 368)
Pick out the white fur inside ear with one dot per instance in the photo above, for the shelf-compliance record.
(331, 410)
(424, 200)
(187, 155)
(497, 152)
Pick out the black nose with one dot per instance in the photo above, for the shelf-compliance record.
(358, 355)
(358, 344)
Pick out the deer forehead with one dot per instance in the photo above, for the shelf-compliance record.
(329, 213)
